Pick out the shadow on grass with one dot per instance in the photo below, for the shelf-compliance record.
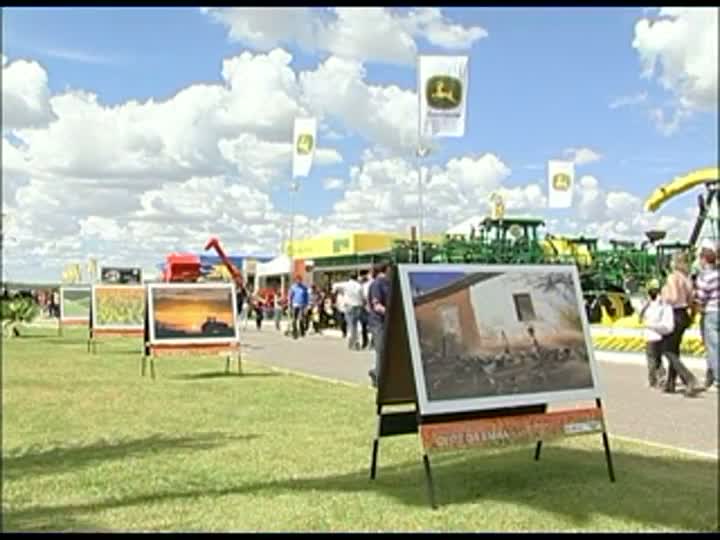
(651, 492)
(219, 375)
(69, 458)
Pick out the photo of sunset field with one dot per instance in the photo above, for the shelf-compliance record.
(119, 307)
(192, 313)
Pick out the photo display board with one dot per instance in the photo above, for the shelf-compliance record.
(191, 313)
(489, 336)
(121, 275)
(118, 307)
(75, 303)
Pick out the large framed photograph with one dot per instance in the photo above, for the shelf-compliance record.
(192, 313)
(118, 307)
(121, 275)
(75, 303)
(490, 336)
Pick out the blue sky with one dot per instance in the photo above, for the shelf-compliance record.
(541, 82)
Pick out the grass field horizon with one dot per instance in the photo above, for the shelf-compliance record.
(90, 445)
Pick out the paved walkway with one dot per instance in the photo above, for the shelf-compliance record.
(633, 410)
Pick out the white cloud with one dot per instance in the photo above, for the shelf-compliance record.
(138, 180)
(332, 184)
(383, 115)
(582, 156)
(668, 126)
(365, 34)
(625, 101)
(80, 56)
(680, 50)
(25, 95)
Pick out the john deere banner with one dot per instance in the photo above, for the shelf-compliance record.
(442, 93)
(303, 146)
(561, 177)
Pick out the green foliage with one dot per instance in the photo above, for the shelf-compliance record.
(121, 309)
(17, 311)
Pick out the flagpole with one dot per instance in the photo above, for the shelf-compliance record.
(294, 185)
(419, 154)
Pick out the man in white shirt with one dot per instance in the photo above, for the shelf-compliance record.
(657, 317)
(354, 303)
(365, 281)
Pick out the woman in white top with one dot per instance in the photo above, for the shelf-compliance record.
(679, 293)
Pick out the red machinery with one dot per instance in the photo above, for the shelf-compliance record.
(184, 267)
(234, 272)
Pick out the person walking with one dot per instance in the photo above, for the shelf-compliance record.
(364, 278)
(341, 308)
(277, 308)
(657, 317)
(354, 304)
(379, 296)
(259, 307)
(707, 298)
(299, 301)
(367, 283)
(678, 293)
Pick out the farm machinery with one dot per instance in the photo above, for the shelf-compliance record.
(609, 277)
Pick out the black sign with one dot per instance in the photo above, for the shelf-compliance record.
(121, 275)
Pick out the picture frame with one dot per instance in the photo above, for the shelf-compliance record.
(96, 323)
(519, 309)
(194, 338)
(64, 312)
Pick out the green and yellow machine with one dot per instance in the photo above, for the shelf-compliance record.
(609, 277)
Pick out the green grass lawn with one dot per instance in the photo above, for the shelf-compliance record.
(90, 445)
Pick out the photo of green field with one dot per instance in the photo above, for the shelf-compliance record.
(75, 303)
(119, 307)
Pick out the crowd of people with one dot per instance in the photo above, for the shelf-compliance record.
(668, 313)
(356, 307)
(48, 300)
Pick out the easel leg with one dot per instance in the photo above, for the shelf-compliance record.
(608, 457)
(227, 365)
(143, 360)
(606, 444)
(239, 362)
(428, 478)
(375, 446)
(537, 450)
(152, 368)
(373, 462)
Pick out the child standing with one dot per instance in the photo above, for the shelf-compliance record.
(657, 317)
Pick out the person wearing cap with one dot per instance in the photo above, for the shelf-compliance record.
(658, 320)
(707, 298)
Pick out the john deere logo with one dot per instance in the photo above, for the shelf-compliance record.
(444, 92)
(341, 244)
(561, 182)
(305, 144)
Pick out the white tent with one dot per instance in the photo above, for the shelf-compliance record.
(279, 266)
(466, 226)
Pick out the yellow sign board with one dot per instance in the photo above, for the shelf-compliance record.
(345, 244)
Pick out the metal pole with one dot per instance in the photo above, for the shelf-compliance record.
(421, 210)
(293, 189)
(421, 153)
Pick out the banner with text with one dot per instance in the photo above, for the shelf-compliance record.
(561, 179)
(303, 145)
(442, 95)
